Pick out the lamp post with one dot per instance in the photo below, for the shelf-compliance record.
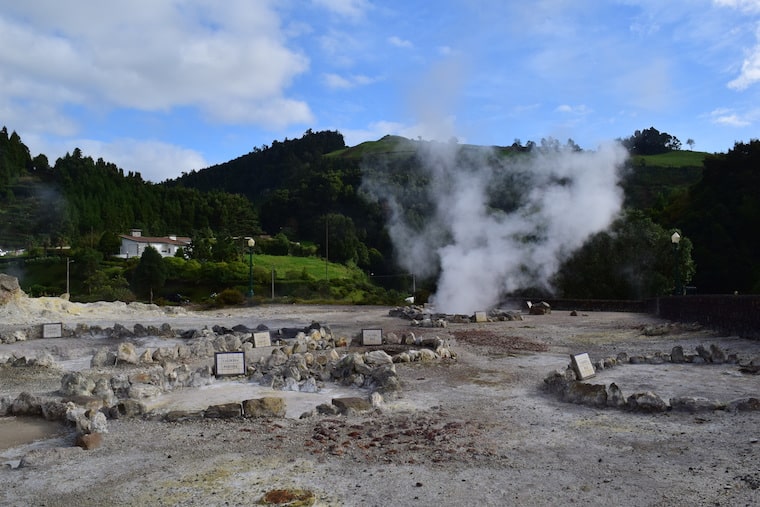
(675, 239)
(251, 244)
(68, 271)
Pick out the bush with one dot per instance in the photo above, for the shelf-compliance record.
(230, 297)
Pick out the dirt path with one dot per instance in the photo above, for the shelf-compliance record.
(477, 431)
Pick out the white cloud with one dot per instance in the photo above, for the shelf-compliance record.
(152, 57)
(337, 82)
(750, 73)
(580, 109)
(731, 118)
(399, 42)
(743, 5)
(154, 160)
(348, 8)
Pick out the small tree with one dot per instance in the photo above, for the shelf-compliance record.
(150, 274)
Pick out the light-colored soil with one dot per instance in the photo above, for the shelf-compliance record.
(476, 431)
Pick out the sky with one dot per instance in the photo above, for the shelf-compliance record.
(163, 87)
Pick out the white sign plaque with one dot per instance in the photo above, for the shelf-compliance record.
(262, 339)
(54, 330)
(582, 366)
(229, 363)
(372, 336)
(481, 317)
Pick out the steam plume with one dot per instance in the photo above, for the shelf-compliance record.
(494, 223)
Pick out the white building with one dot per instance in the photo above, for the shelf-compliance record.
(134, 244)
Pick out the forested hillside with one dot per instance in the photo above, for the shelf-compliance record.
(308, 193)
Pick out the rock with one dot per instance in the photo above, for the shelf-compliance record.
(377, 357)
(268, 406)
(427, 355)
(223, 411)
(704, 354)
(352, 405)
(615, 396)
(141, 391)
(558, 381)
(89, 441)
(126, 353)
(646, 402)
(76, 384)
(676, 355)
(542, 308)
(744, 405)
(717, 354)
(587, 394)
(9, 289)
(695, 404)
(327, 409)
(392, 339)
(103, 357)
(309, 386)
(129, 408)
(26, 404)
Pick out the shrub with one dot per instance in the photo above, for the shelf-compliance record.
(230, 297)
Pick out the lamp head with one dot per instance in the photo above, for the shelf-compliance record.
(251, 242)
(675, 238)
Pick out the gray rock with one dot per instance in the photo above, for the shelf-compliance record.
(615, 397)
(676, 355)
(646, 402)
(587, 394)
(744, 405)
(717, 354)
(223, 411)
(352, 405)
(694, 404)
(76, 383)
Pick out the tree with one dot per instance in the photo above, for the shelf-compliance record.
(690, 142)
(633, 259)
(651, 142)
(150, 273)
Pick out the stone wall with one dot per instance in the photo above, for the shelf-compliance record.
(733, 314)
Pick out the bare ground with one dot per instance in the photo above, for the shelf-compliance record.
(476, 431)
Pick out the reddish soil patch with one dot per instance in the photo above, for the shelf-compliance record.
(498, 344)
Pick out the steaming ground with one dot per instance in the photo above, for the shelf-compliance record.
(478, 431)
(492, 223)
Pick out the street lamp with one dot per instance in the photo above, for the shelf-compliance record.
(68, 271)
(675, 239)
(251, 244)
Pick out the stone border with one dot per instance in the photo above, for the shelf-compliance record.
(570, 389)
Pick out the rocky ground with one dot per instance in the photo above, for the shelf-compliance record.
(477, 430)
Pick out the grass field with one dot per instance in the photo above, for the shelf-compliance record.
(314, 267)
(679, 158)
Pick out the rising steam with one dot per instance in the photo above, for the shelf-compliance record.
(490, 223)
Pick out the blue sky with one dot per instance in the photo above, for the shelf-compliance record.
(162, 87)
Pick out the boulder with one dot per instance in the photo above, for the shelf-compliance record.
(89, 441)
(268, 406)
(76, 384)
(127, 353)
(223, 411)
(676, 355)
(695, 404)
(587, 394)
(646, 402)
(9, 289)
(352, 405)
